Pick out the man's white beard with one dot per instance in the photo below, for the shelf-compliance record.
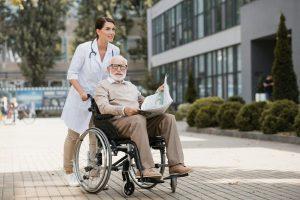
(117, 77)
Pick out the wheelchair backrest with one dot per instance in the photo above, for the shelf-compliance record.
(102, 121)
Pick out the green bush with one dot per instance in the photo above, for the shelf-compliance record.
(236, 99)
(249, 115)
(198, 104)
(297, 124)
(227, 113)
(279, 116)
(182, 111)
(206, 116)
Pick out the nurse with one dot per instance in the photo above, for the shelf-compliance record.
(87, 68)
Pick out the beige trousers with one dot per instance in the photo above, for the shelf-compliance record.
(138, 128)
(70, 145)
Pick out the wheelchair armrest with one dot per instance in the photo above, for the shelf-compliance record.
(104, 116)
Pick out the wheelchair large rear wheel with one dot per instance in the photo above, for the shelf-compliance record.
(93, 160)
(159, 157)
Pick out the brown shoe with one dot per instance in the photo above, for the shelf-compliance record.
(179, 169)
(149, 173)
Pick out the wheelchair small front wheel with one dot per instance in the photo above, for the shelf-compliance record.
(93, 160)
(159, 157)
(128, 188)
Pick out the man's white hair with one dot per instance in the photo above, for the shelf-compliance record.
(118, 60)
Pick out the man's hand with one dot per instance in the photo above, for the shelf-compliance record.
(160, 88)
(84, 96)
(130, 111)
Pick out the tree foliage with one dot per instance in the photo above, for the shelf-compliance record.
(149, 84)
(36, 37)
(285, 82)
(89, 11)
(191, 92)
(4, 23)
(123, 12)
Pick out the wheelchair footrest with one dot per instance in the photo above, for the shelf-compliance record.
(175, 175)
(150, 180)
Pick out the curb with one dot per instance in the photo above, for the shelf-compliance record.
(256, 135)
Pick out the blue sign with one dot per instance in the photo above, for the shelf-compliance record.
(30, 96)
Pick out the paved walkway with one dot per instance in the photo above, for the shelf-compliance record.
(225, 167)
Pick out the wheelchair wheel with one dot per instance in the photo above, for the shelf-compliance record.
(159, 157)
(93, 160)
(128, 188)
(29, 118)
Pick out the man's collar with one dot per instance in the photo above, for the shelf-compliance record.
(111, 80)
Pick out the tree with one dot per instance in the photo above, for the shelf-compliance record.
(4, 26)
(285, 82)
(191, 93)
(36, 37)
(149, 84)
(89, 11)
(260, 85)
(140, 8)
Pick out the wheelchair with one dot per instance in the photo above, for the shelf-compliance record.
(96, 147)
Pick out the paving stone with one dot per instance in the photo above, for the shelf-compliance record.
(224, 168)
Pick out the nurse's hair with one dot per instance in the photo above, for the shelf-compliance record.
(99, 24)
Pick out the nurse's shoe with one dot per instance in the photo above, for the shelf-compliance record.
(71, 180)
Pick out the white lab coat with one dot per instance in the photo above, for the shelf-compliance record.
(88, 72)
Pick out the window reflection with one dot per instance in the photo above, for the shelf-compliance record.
(193, 19)
(216, 73)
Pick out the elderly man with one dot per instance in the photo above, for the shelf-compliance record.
(118, 97)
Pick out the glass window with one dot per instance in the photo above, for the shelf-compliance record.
(172, 17)
(178, 14)
(239, 59)
(208, 19)
(209, 64)
(179, 81)
(218, 17)
(224, 61)
(230, 85)
(239, 83)
(200, 26)
(230, 59)
(219, 86)
(229, 12)
(201, 88)
(219, 62)
(209, 87)
(201, 64)
(200, 6)
(179, 35)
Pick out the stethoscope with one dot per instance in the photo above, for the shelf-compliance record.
(94, 52)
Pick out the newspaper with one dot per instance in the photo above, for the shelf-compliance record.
(157, 103)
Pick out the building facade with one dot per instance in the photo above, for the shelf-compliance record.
(228, 44)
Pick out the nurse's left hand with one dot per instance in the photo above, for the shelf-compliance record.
(160, 88)
(84, 96)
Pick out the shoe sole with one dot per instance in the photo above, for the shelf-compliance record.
(154, 177)
(177, 174)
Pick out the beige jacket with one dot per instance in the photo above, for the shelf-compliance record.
(112, 97)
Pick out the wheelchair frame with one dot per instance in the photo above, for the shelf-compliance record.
(111, 145)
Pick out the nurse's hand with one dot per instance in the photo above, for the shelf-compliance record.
(160, 88)
(130, 111)
(84, 96)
